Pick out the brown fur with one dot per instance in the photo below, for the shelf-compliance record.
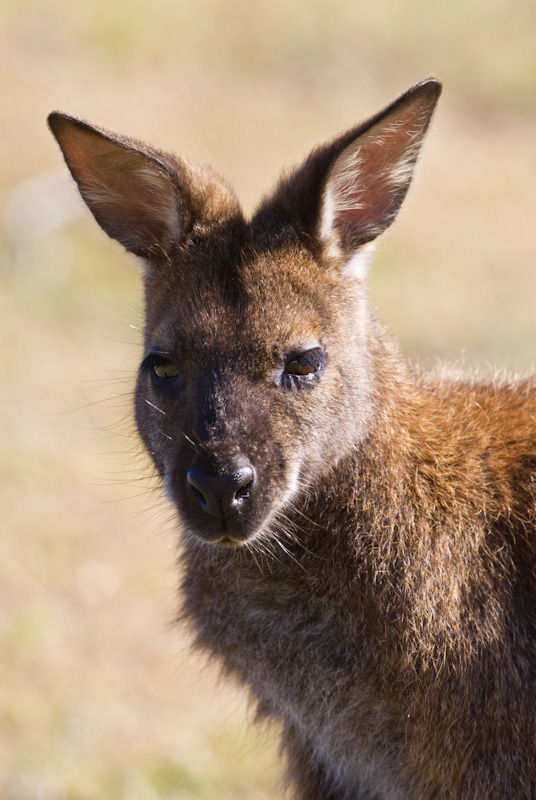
(373, 583)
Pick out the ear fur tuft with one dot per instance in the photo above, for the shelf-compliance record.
(369, 179)
(129, 190)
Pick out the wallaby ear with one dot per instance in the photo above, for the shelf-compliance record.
(370, 175)
(349, 190)
(130, 190)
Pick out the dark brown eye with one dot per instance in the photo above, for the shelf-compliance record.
(161, 369)
(297, 367)
(304, 368)
(165, 369)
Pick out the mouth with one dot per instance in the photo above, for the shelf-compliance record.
(224, 541)
(227, 541)
(229, 530)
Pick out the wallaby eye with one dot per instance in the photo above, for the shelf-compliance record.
(161, 368)
(297, 367)
(166, 369)
(305, 367)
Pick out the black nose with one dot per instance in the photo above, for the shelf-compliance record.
(221, 494)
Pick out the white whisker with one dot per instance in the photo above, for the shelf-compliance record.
(155, 407)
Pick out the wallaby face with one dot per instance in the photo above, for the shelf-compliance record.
(360, 537)
(236, 402)
(256, 376)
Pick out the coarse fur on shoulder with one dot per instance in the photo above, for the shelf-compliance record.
(359, 543)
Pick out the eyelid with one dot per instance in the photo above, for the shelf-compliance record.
(156, 356)
(159, 351)
(296, 355)
(296, 352)
(174, 353)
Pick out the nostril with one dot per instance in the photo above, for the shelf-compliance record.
(242, 493)
(219, 494)
(193, 476)
(243, 483)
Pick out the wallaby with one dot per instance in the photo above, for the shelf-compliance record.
(358, 536)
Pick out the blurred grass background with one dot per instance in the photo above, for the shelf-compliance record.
(99, 697)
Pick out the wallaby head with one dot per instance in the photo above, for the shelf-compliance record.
(258, 371)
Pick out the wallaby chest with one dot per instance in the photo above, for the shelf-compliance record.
(306, 661)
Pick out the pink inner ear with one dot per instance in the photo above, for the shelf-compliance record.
(363, 205)
(130, 196)
(370, 178)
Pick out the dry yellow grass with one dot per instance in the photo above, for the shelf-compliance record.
(99, 697)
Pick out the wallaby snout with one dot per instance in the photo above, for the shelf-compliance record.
(223, 496)
(221, 457)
